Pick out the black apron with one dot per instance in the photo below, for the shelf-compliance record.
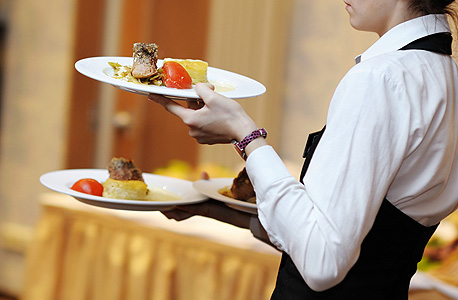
(389, 253)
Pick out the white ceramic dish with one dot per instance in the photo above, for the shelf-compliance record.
(211, 187)
(61, 181)
(98, 68)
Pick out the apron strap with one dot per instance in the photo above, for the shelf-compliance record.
(439, 42)
(310, 146)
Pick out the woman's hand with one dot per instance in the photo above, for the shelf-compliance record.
(212, 209)
(217, 120)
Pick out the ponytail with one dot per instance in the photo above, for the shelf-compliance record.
(427, 7)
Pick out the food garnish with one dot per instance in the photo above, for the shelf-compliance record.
(125, 73)
(196, 68)
(175, 76)
(88, 186)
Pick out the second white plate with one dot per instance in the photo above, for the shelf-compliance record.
(211, 189)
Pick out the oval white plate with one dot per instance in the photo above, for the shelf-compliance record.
(98, 68)
(211, 187)
(61, 181)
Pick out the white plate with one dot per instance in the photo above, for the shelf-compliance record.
(61, 181)
(211, 187)
(98, 68)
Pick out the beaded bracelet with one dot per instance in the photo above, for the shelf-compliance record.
(240, 146)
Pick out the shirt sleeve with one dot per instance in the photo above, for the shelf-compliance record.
(322, 223)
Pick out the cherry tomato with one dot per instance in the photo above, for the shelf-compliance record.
(88, 186)
(175, 75)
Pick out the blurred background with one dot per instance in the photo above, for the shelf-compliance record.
(53, 118)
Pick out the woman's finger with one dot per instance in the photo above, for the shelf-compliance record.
(211, 86)
(177, 215)
(195, 104)
(219, 211)
(170, 105)
(158, 98)
(205, 91)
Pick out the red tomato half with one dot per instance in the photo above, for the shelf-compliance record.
(88, 186)
(175, 75)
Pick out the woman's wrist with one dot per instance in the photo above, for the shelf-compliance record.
(244, 129)
(250, 142)
(247, 136)
(255, 144)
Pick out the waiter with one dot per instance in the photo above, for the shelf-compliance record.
(384, 168)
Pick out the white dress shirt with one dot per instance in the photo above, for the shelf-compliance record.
(391, 131)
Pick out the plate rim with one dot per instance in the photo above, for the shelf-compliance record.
(176, 94)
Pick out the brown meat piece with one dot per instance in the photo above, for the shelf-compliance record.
(123, 169)
(241, 188)
(144, 60)
(440, 253)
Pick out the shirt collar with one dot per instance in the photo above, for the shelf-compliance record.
(405, 33)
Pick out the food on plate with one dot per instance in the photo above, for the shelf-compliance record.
(196, 68)
(125, 189)
(440, 258)
(241, 188)
(158, 194)
(88, 186)
(125, 182)
(144, 69)
(144, 60)
(442, 245)
(438, 252)
(124, 169)
(175, 75)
